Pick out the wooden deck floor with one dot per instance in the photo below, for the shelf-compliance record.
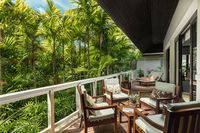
(122, 128)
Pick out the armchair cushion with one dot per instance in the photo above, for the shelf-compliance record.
(89, 101)
(146, 127)
(102, 114)
(151, 102)
(117, 96)
(115, 89)
(185, 105)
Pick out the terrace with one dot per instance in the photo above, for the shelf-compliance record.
(166, 32)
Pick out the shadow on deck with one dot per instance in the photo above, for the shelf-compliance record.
(122, 127)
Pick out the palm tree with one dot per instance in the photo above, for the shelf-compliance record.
(50, 30)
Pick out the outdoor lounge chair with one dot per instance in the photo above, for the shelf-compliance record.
(178, 118)
(156, 75)
(162, 94)
(96, 113)
(114, 92)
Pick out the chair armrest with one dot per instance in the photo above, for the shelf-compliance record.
(152, 123)
(101, 96)
(144, 92)
(161, 99)
(103, 107)
(125, 91)
(158, 100)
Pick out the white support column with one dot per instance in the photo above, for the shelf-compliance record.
(94, 88)
(198, 52)
(51, 117)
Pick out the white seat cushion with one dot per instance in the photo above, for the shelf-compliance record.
(118, 96)
(146, 127)
(159, 119)
(102, 114)
(151, 102)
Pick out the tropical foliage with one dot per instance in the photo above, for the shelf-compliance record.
(39, 49)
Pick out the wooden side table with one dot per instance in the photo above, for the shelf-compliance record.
(129, 115)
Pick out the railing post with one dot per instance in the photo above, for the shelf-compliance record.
(120, 78)
(77, 99)
(94, 87)
(51, 117)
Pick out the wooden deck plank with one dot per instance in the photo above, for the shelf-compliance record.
(122, 128)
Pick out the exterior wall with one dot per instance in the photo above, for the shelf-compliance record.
(184, 12)
(150, 62)
(198, 52)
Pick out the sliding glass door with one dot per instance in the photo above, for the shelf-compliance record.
(186, 48)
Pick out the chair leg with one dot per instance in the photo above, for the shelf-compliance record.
(80, 126)
(85, 129)
(115, 126)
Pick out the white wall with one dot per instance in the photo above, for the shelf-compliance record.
(184, 11)
(150, 62)
(183, 14)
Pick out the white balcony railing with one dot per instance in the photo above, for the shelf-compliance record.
(50, 90)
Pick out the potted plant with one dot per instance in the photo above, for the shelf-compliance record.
(140, 73)
(133, 98)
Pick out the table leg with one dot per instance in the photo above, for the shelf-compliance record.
(129, 124)
(120, 117)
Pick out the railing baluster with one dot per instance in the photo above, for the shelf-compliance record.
(94, 87)
(77, 100)
(120, 78)
(51, 116)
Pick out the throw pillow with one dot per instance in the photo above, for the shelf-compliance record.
(91, 103)
(160, 94)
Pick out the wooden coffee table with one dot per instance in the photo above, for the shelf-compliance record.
(129, 115)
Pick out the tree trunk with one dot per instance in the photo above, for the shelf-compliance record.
(1, 82)
(88, 50)
(33, 62)
(63, 60)
(54, 62)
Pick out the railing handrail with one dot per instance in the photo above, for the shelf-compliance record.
(21, 95)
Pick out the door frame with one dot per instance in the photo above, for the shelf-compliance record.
(190, 26)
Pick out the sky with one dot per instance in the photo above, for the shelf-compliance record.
(40, 5)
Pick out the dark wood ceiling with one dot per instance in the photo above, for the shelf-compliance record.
(145, 22)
